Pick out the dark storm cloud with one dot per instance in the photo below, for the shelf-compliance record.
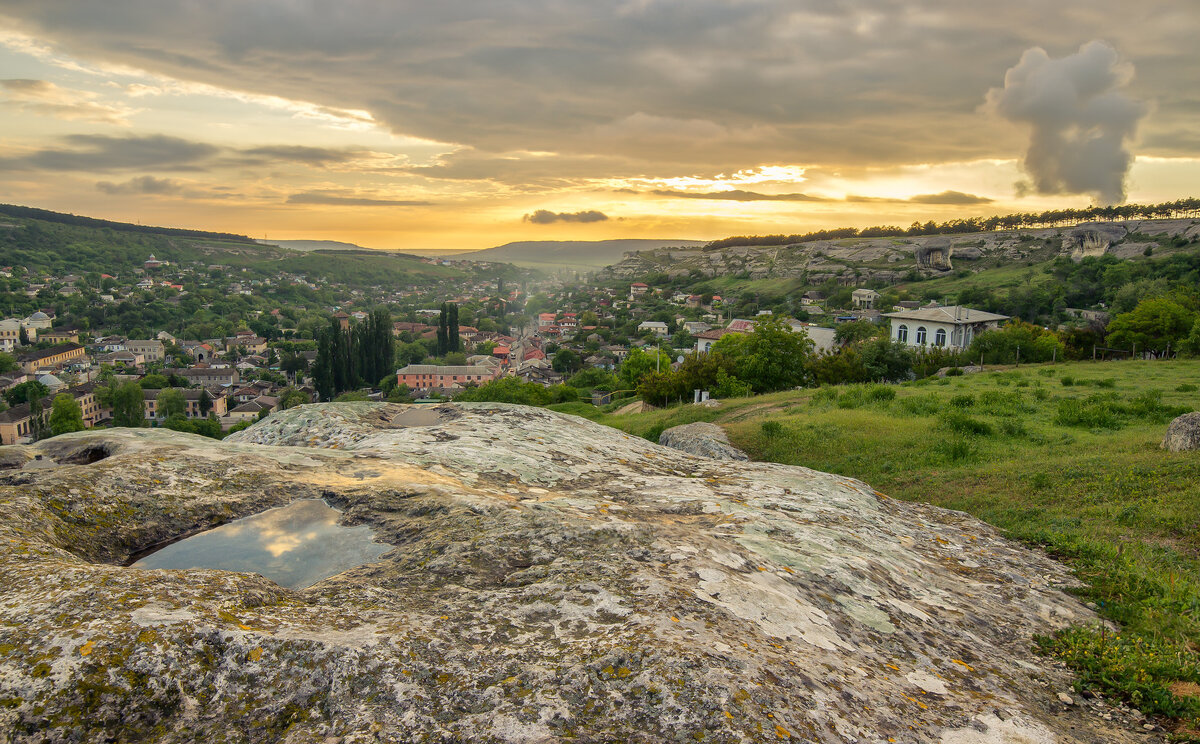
(860, 81)
(546, 217)
(101, 153)
(1081, 122)
(318, 197)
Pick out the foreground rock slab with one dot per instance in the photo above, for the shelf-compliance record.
(552, 580)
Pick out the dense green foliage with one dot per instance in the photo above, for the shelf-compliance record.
(513, 390)
(65, 416)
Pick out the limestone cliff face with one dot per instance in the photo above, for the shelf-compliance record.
(552, 580)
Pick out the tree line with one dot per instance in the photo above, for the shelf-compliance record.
(1187, 207)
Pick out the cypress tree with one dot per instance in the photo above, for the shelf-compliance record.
(454, 344)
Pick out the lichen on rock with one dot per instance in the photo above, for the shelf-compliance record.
(552, 580)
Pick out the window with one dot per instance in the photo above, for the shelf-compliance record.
(956, 337)
(902, 334)
(922, 336)
(939, 338)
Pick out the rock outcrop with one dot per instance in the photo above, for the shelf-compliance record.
(702, 439)
(1183, 434)
(551, 580)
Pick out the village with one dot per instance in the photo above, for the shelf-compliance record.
(548, 337)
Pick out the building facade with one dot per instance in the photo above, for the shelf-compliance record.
(953, 327)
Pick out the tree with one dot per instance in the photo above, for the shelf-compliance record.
(772, 357)
(23, 337)
(66, 415)
(640, 363)
(206, 403)
(1154, 325)
(128, 405)
(567, 361)
(292, 397)
(26, 392)
(8, 362)
(171, 403)
(154, 382)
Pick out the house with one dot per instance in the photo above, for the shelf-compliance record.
(16, 424)
(864, 299)
(953, 327)
(545, 320)
(192, 403)
(39, 320)
(637, 289)
(706, 339)
(153, 263)
(151, 351)
(811, 297)
(55, 356)
(656, 326)
(206, 376)
(568, 321)
(695, 326)
(62, 336)
(740, 325)
(425, 376)
(10, 334)
(824, 339)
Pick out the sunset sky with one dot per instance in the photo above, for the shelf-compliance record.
(467, 123)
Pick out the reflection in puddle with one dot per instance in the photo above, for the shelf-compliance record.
(295, 546)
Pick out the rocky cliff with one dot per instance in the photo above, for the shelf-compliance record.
(551, 580)
(861, 260)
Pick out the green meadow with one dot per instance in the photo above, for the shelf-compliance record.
(1064, 457)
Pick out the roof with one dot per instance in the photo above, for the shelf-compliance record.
(434, 369)
(52, 351)
(956, 314)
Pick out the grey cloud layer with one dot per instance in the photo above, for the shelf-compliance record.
(98, 153)
(705, 82)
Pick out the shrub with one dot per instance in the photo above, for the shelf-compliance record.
(961, 423)
(954, 372)
(1067, 380)
(1107, 382)
(920, 405)
(1186, 387)
(772, 428)
(963, 401)
(957, 449)
(1093, 412)
(880, 393)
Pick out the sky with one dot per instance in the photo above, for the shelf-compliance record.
(464, 124)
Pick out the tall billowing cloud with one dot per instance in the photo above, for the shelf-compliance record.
(1082, 122)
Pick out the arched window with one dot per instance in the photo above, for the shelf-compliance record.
(956, 337)
(902, 334)
(939, 338)
(922, 336)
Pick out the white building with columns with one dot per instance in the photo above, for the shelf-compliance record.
(953, 327)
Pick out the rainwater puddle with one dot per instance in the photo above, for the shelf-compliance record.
(295, 546)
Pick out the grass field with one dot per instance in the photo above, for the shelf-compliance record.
(1063, 457)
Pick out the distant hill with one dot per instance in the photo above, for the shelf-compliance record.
(45, 215)
(582, 254)
(314, 245)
